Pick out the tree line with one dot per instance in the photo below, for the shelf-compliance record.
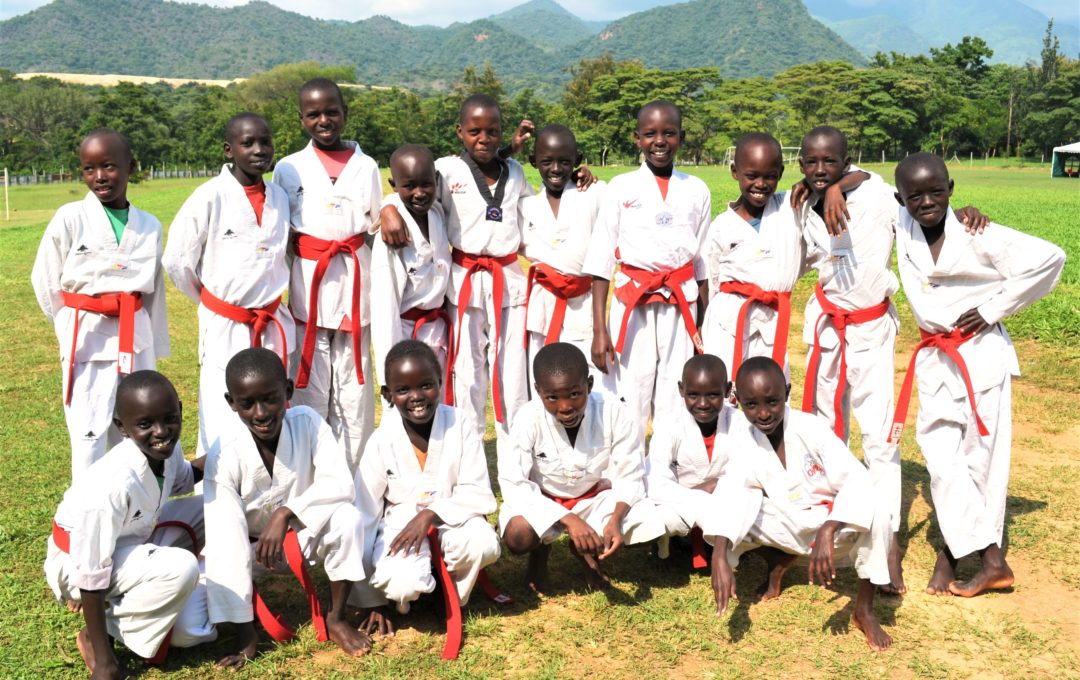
(952, 101)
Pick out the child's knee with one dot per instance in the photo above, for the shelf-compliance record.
(178, 571)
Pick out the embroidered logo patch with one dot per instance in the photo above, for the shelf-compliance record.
(229, 233)
(664, 219)
(631, 204)
(458, 187)
(82, 250)
(813, 469)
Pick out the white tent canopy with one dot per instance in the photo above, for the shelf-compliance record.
(1066, 161)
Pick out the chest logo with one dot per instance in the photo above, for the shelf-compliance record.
(389, 473)
(664, 219)
(542, 455)
(229, 233)
(813, 469)
(82, 249)
(632, 204)
(137, 515)
(458, 187)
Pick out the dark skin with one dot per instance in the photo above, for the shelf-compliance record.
(555, 156)
(414, 179)
(565, 396)
(323, 116)
(250, 147)
(924, 191)
(260, 401)
(763, 397)
(659, 134)
(106, 163)
(704, 393)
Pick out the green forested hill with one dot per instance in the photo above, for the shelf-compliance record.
(547, 24)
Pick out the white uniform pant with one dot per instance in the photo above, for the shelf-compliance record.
(90, 414)
(869, 395)
(640, 525)
(969, 474)
(866, 550)
(646, 376)
(536, 343)
(720, 342)
(333, 391)
(476, 357)
(402, 578)
(150, 586)
(685, 508)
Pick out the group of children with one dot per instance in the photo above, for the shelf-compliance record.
(429, 278)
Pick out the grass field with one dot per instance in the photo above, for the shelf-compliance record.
(660, 620)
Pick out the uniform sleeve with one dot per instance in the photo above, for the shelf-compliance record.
(855, 502)
(739, 496)
(626, 465)
(515, 464)
(660, 480)
(184, 483)
(1030, 266)
(600, 257)
(332, 485)
(228, 548)
(158, 312)
(93, 539)
(187, 240)
(371, 485)
(471, 495)
(701, 270)
(285, 177)
(49, 265)
(375, 205)
(389, 275)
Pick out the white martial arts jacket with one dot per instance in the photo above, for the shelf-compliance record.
(854, 268)
(998, 272)
(413, 276)
(116, 504)
(215, 242)
(454, 484)
(772, 258)
(310, 476)
(469, 230)
(541, 460)
(561, 242)
(651, 232)
(677, 457)
(331, 211)
(79, 254)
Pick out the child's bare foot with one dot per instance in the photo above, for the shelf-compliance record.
(896, 585)
(351, 641)
(944, 574)
(864, 618)
(536, 574)
(777, 563)
(73, 606)
(595, 578)
(86, 650)
(994, 575)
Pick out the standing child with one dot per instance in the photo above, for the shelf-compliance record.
(654, 224)
(97, 276)
(101, 556)
(334, 192)
(423, 469)
(284, 471)
(810, 497)
(576, 465)
(557, 227)
(411, 301)
(226, 252)
(960, 287)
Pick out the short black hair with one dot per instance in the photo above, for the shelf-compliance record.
(479, 100)
(760, 365)
(234, 123)
(826, 131)
(707, 363)
(321, 85)
(115, 136)
(660, 104)
(139, 381)
(254, 361)
(754, 139)
(411, 348)
(419, 150)
(560, 358)
(557, 130)
(918, 161)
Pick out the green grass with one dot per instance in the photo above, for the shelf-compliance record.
(660, 622)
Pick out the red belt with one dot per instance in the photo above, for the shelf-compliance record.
(62, 537)
(258, 319)
(308, 247)
(840, 319)
(422, 316)
(122, 305)
(950, 344)
(274, 625)
(780, 301)
(563, 287)
(641, 282)
(569, 503)
(473, 264)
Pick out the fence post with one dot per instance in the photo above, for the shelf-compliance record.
(7, 204)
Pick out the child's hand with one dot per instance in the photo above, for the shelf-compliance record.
(800, 191)
(583, 178)
(378, 622)
(108, 669)
(974, 221)
(835, 210)
(414, 534)
(249, 641)
(822, 570)
(586, 541)
(603, 352)
(393, 230)
(971, 322)
(270, 549)
(723, 580)
(613, 536)
(525, 131)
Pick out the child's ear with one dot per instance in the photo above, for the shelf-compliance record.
(734, 173)
(896, 195)
(588, 385)
(120, 426)
(780, 171)
(728, 388)
(289, 386)
(577, 160)
(681, 392)
(227, 148)
(950, 187)
(457, 129)
(682, 136)
(847, 163)
(532, 159)
(229, 399)
(384, 392)
(787, 391)
(390, 181)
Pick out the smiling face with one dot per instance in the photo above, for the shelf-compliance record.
(704, 393)
(924, 190)
(762, 394)
(260, 400)
(658, 135)
(412, 175)
(823, 161)
(757, 168)
(323, 115)
(555, 156)
(106, 164)
(565, 395)
(480, 131)
(151, 417)
(413, 387)
(250, 146)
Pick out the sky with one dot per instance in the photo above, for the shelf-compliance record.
(445, 12)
